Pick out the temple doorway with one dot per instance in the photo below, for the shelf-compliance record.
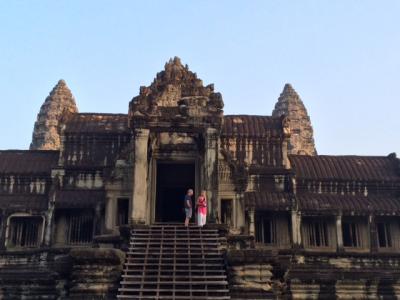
(173, 180)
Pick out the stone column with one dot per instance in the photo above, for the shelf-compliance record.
(139, 199)
(110, 214)
(97, 219)
(3, 230)
(296, 229)
(49, 220)
(373, 242)
(252, 229)
(240, 211)
(339, 233)
(211, 172)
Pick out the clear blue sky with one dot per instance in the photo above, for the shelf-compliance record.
(342, 57)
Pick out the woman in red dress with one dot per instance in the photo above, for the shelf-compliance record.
(202, 209)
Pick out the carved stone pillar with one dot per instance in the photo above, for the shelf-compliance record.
(139, 199)
(110, 214)
(3, 230)
(240, 211)
(296, 229)
(211, 172)
(97, 219)
(252, 229)
(339, 233)
(49, 222)
(372, 234)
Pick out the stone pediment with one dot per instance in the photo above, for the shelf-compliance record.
(176, 94)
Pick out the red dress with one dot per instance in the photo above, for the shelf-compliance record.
(202, 205)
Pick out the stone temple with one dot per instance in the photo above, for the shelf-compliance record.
(95, 208)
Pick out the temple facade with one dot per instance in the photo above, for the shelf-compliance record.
(298, 225)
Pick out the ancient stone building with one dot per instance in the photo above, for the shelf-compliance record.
(94, 206)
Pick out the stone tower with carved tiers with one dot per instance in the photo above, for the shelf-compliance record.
(56, 108)
(301, 132)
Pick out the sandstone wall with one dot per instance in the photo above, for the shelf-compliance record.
(90, 273)
(262, 274)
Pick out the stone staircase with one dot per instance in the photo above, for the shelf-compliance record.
(174, 262)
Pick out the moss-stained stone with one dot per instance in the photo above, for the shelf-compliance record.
(95, 273)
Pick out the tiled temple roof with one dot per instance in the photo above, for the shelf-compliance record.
(28, 161)
(323, 167)
(261, 200)
(352, 204)
(97, 123)
(238, 125)
(250, 126)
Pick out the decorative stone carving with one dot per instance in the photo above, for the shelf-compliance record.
(301, 132)
(176, 95)
(239, 172)
(55, 109)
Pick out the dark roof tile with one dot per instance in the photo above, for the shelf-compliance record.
(325, 167)
(261, 200)
(28, 161)
(97, 123)
(252, 126)
(328, 203)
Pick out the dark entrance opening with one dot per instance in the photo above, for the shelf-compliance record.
(173, 180)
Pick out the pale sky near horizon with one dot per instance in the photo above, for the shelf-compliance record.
(342, 57)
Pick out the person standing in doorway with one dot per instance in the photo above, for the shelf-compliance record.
(188, 206)
(202, 209)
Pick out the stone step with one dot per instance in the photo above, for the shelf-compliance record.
(175, 297)
(160, 277)
(145, 259)
(174, 238)
(186, 291)
(180, 225)
(182, 244)
(174, 272)
(155, 258)
(178, 252)
(176, 231)
(198, 265)
(172, 282)
(170, 261)
(172, 254)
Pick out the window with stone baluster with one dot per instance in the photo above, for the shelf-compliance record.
(80, 228)
(25, 231)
